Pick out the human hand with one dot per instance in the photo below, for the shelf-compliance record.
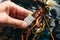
(12, 14)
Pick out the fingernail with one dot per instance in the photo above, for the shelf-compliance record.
(24, 25)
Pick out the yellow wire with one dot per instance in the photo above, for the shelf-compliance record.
(39, 28)
(50, 30)
(22, 37)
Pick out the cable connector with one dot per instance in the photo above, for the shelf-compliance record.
(29, 19)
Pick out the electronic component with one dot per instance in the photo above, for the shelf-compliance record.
(29, 19)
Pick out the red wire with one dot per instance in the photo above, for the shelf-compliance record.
(29, 32)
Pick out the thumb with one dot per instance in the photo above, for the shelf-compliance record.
(16, 22)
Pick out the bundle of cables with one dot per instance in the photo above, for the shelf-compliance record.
(39, 24)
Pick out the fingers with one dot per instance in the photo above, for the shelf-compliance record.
(5, 19)
(16, 22)
(19, 11)
(14, 9)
